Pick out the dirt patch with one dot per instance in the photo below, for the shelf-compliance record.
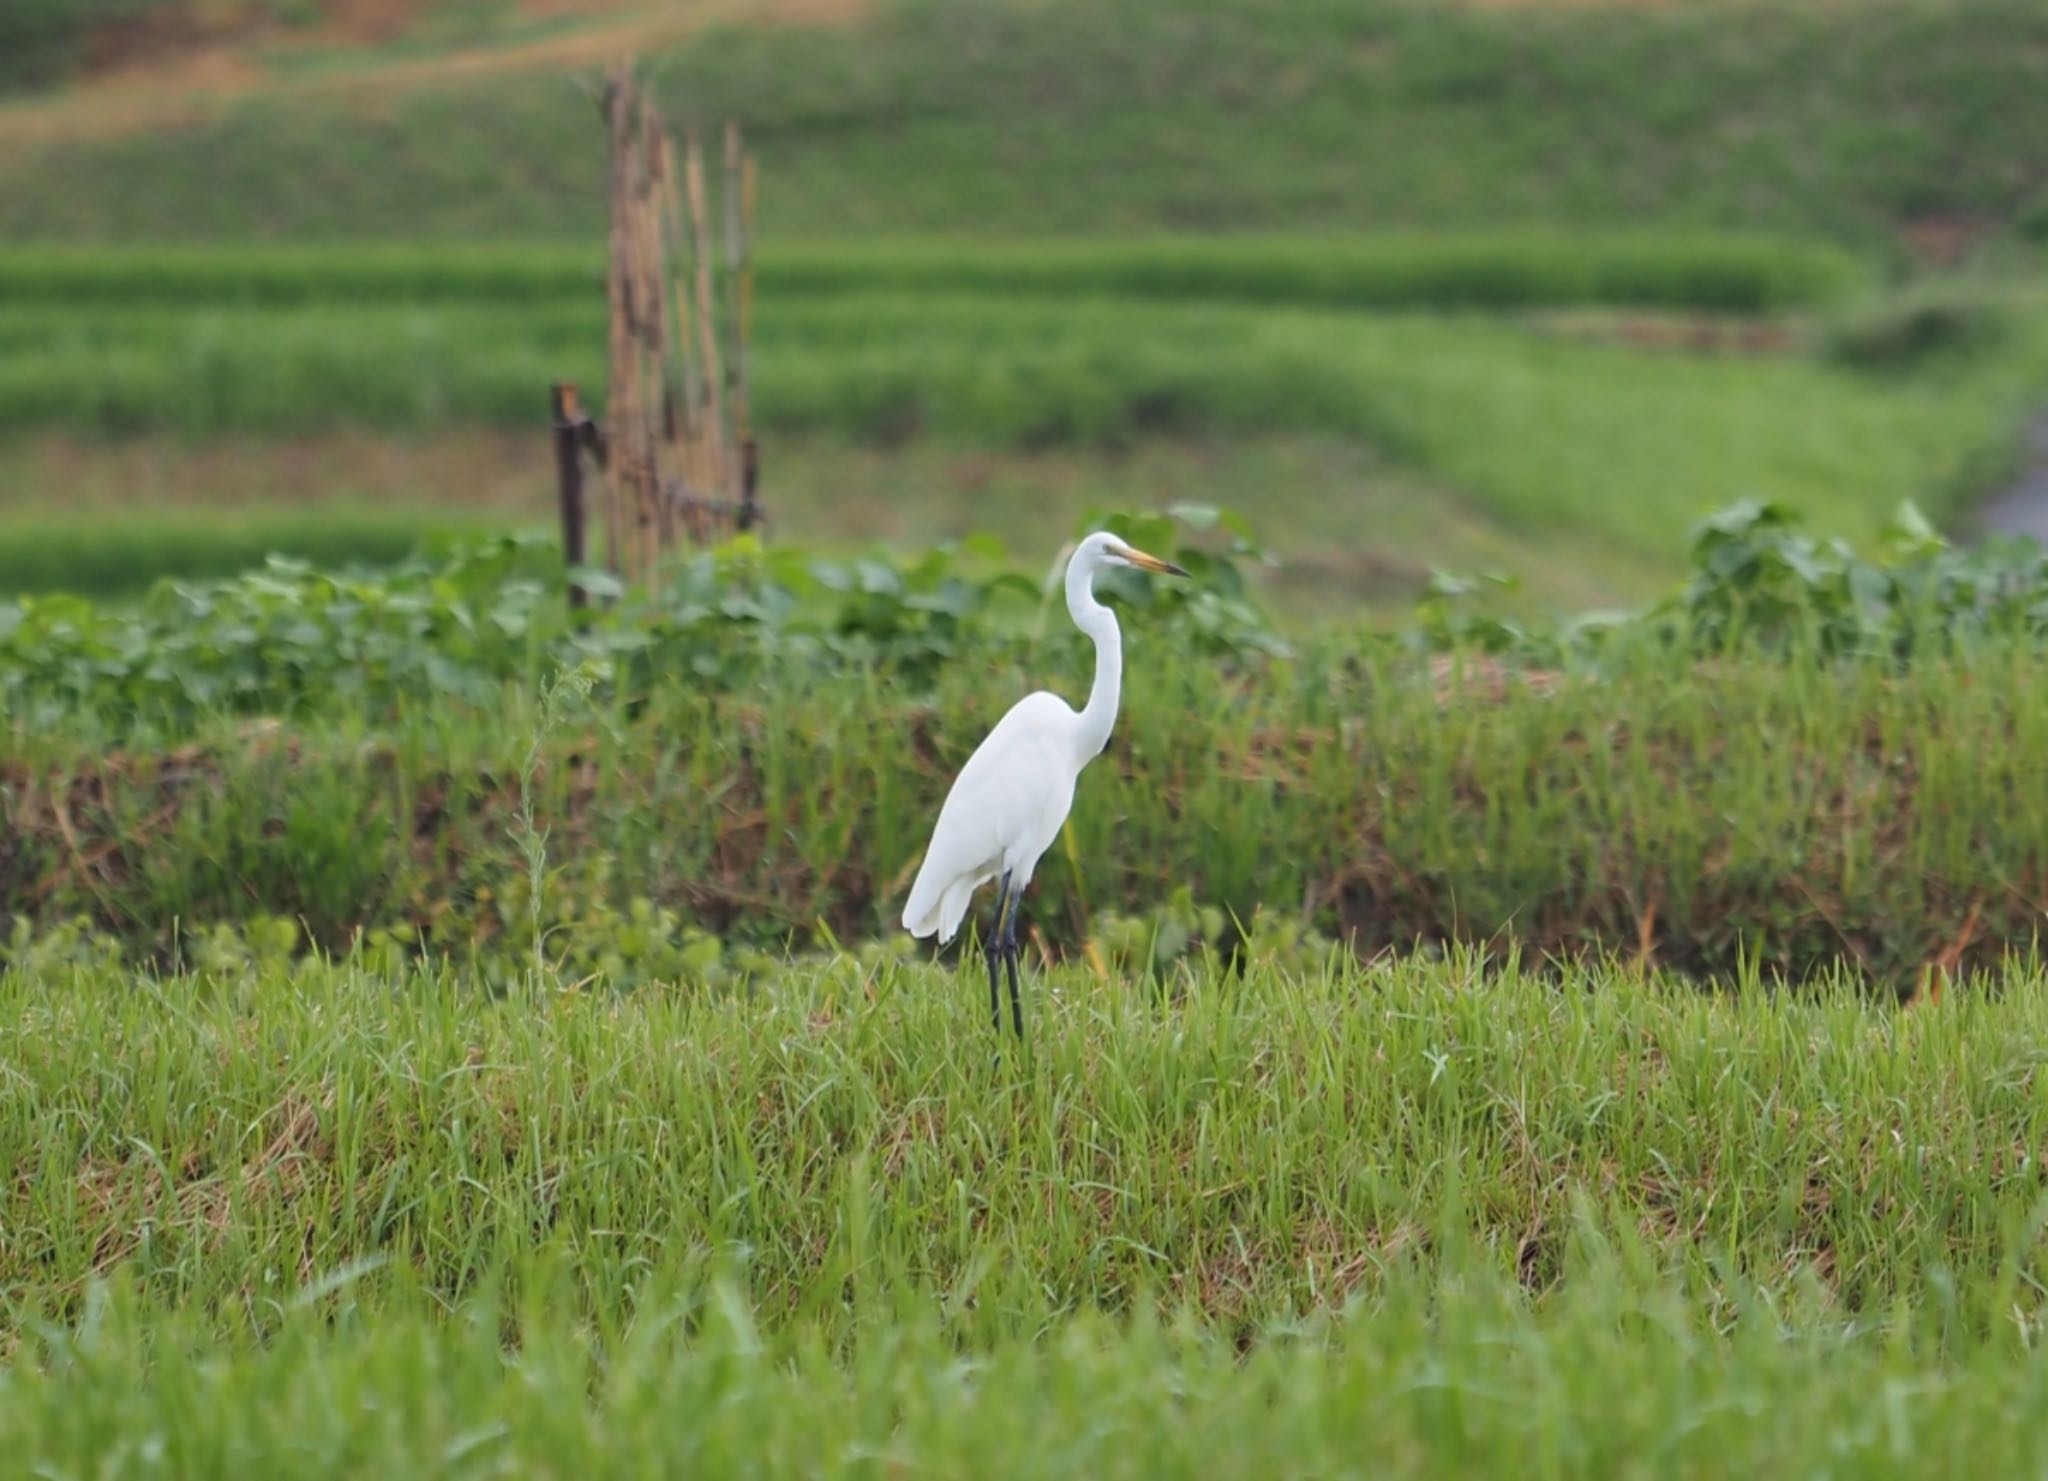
(1692, 334)
(371, 22)
(467, 470)
(173, 82)
(1945, 240)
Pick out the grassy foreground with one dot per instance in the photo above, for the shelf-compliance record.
(346, 1221)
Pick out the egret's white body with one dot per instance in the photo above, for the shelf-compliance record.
(1007, 804)
(1005, 808)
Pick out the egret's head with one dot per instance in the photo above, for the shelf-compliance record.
(1105, 549)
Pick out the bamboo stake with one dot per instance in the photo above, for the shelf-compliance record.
(639, 405)
(655, 518)
(735, 398)
(743, 413)
(618, 397)
(707, 338)
(746, 325)
(693, 472)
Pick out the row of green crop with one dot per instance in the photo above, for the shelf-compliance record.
(103, 557)
(1802, 760)
(290, 638)
(1501, 270)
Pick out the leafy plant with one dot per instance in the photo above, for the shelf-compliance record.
(1760, 578)
(1186, 932)
(1761, 582)
(917, 613)
(290, 638)
(1213, 610)
(1898, 336)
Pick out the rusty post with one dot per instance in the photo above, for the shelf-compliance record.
(569, 481)
(749, 513)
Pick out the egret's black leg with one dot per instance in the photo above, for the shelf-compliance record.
(995, 952)
(1016, 1004)
(1009, 944)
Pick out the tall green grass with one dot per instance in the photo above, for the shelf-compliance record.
(1791, 812)
(1231, 1146)
(1448, 1380)
(1420, 1219)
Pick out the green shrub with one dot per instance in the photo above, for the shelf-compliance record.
(40, 40)
(1900, 336)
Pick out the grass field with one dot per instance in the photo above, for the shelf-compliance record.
(1422, 1218)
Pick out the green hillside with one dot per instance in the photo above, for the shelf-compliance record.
(1111, 115)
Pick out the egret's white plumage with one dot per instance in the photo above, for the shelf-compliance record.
(1007, 804)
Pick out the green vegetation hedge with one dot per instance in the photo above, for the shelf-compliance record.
(1804, 759)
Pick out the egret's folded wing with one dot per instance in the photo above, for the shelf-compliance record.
(993, 801)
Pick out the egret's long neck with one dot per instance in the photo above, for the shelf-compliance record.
(1096, 620)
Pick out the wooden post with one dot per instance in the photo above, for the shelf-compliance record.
(679, 457)
(691, 453)
(569, 481)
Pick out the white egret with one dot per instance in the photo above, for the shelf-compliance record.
(1011, 797)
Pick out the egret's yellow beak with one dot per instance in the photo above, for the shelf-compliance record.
(1146, 562)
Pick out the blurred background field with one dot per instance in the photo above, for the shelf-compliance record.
(1529, 288)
